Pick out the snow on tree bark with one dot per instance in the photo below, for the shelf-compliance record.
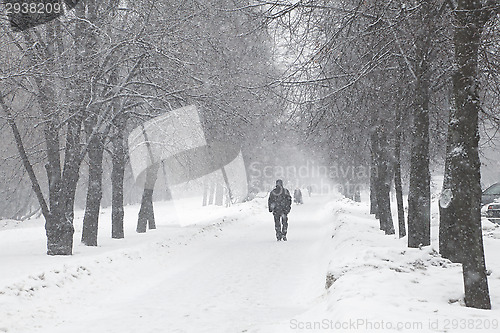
(62, 180)
(373, 197)
(94, 191)
(462, 181)
(146, 216)
(397, 176)
(419, 208)
(117, 177)
(383, 176)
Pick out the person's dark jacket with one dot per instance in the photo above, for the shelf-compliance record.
(280, 201)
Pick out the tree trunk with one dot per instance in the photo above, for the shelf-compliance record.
(59, 231)
(167, 195)
(219, 193)
(70, 176)
(146, 213)
(205, 192)
(117, 177)
(62, 183)
(94, 191)
(419, 209)
(211, 192)
(463, 191)
(58, 221)
(59, 226)
(228, 185)
(397, 177)
(450, 245)
(373, 177)
(383, 179)
(357, 194)
(383, 194)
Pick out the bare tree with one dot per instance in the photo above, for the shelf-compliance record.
(419, 205)
(461, 196)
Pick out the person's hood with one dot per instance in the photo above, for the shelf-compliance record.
(278, 189)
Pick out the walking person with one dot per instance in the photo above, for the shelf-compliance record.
(280, 203)
(309, 190)
(297, 196)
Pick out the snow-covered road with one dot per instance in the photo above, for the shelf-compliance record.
(231, 276)
(215, 269)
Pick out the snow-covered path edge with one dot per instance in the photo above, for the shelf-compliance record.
(227, 274)
(377, 284)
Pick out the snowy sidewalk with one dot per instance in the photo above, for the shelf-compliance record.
(227, 273)
(225, 277)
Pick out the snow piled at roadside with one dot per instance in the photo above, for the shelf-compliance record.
(375, 283)
(38, 292)
(215, 269)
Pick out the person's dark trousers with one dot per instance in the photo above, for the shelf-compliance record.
(280, 225)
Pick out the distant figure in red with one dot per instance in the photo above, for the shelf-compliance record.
(280, 203)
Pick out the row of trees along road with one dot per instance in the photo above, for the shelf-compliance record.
(72, 89)
(384, 81)
(367, 81)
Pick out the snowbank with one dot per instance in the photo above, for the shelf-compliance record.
(216, 269)
(375, 283)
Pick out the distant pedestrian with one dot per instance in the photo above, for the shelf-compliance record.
(280, 203)
(297, 196)
(309, 190)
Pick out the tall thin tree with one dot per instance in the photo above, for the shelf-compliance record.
(462, 189)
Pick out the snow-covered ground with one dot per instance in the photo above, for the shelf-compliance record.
(215, 269)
